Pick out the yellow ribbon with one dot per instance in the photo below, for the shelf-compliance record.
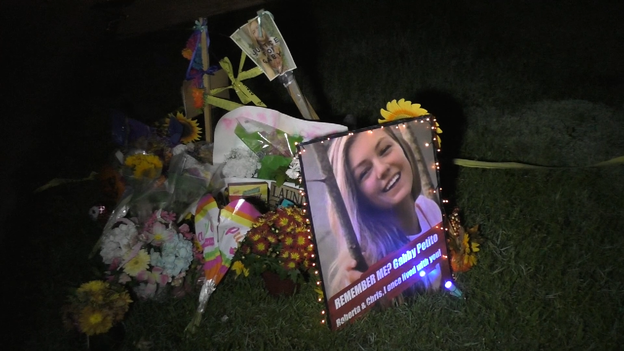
(516, 165)
(244, 93)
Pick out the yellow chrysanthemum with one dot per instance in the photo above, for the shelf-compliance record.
(191, 130)
(289, 241)
(295, 256)
(138, 263)
(95, 286)
(240, 268)
(401, 109)
(290, 265)
(93, 321)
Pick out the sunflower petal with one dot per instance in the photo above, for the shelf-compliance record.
(386, 114)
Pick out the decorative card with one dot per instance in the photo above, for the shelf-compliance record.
(375, 209)
(238, 191)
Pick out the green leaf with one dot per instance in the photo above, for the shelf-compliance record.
(270, 165)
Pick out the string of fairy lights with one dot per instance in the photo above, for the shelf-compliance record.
(432, 120)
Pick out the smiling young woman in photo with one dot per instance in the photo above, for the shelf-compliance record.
(378, 179)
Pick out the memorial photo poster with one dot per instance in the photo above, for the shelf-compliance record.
(262, 41)
(376, 213)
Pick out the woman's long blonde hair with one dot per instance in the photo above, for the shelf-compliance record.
(376, 236)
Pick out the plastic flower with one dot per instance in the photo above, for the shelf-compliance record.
(190, 128)
(94, 321)
(137, 264)
(401, 109)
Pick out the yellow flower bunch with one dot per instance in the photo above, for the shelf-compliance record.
(144, 166)
(95, 307)
(279, 241)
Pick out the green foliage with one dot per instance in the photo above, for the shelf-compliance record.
(274, 167)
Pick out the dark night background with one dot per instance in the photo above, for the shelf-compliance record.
(60, 68)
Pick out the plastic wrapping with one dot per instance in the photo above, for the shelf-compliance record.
(219, 233)
(264, 140)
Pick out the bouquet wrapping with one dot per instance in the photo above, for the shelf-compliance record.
(219, 232)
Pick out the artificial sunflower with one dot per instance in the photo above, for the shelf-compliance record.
(463, 243)
(405, 109)
(401, 109)
(190, 128)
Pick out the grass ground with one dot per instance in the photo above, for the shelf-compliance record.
(526, 81)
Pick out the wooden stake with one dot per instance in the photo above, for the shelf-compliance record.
(205, 65)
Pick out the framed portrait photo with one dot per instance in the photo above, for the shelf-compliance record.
(376, 213)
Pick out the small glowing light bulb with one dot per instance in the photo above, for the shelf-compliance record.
(453, 289)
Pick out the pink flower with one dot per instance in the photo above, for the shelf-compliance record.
(124, 278)
(160, 234)
(154, 276)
